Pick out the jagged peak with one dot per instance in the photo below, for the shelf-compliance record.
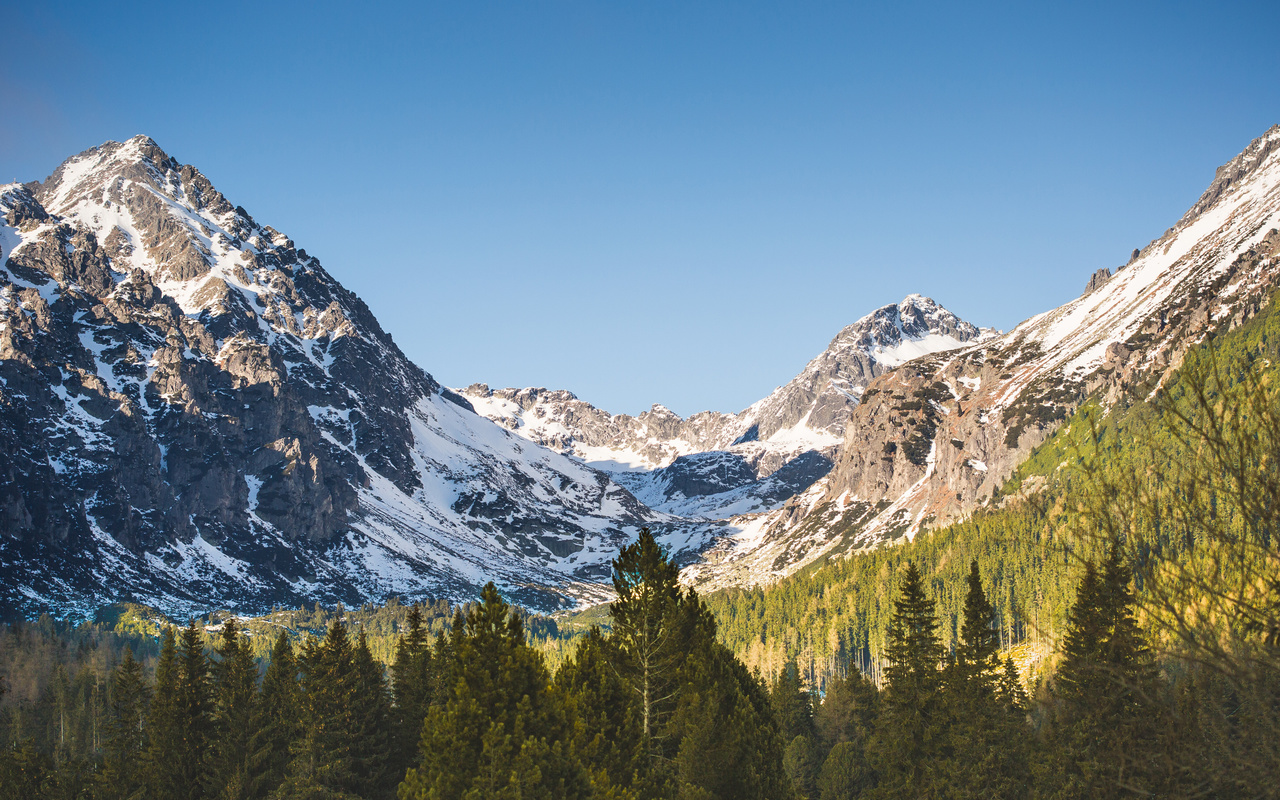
(915, 317)
(1238, 169)
(87, 175)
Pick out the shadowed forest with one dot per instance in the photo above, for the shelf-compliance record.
(1131, 566)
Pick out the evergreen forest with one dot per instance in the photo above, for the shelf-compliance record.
(1109, 627)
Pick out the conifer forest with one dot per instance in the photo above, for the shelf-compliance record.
(1115, 633)
(1109, 628)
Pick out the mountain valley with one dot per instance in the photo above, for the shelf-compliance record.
(187, 421)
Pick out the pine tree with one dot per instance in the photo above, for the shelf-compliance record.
(607, 736)
(845, 721)
(234, 679)
(276, 725)
(1011, 693)
(1105, 725)
(122, 776)
(845, 773)
(413, 686)
(793, 709)
(978, 655)
(194, 708)
(848, 711)
(501, 731)
(372, 720)
(987, 752)
(165, 743)
(653, 631)
(911, 740)
(792, 704)
(730, 746)
(323, 758)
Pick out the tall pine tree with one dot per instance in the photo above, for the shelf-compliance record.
(277, 720)
(607, 736)
(165, 743)
(371, 733)
(1105, 721)
(911, 742)
(412, 686)
(234, 676)
(501, 731)
(122, 776)
(987, 751)
(323, 763)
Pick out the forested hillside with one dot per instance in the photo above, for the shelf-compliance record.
(1027, 545)
(1131, 562)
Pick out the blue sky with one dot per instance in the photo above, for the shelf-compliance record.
(664, 202)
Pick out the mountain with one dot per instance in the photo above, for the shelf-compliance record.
(938, 437)
(188, 418)
(717, 465)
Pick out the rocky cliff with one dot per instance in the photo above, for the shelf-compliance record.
(188, 418)
(938, 436)
(798, 427)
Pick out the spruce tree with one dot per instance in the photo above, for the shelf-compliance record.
(277, 721)
(122, 775)
(845, 721)
(793, 709)
(371, 732)
(412, 687)
(323, 759)
(165, 742)
(607, 736)
(501, 731)
(194, 709)
(848, 710)
(792, 704)
(987, 756)
(234, 679)
(1105, 723)
(730, 746)
(978, 656)
(911, 741)
(1011, 692)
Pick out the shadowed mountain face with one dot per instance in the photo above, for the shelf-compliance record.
(194, 412)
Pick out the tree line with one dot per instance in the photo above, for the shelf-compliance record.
(655, 707)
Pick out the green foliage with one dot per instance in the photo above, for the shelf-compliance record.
(235, 678)
(500, 731)
(122, 776)
(277, 720)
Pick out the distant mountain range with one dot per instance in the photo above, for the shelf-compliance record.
(189, 417)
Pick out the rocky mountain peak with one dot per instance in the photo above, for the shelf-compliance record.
(890, 326)
(1234, 172)
(192, 417)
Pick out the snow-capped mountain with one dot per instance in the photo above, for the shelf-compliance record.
(938, 436)
(188, 418)
(718, 465)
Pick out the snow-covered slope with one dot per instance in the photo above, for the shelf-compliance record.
(938, 436)
(188, 417)
(795, 431)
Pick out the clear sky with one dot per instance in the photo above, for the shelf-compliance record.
(650, 202)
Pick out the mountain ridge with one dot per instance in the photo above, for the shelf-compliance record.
(189, 419)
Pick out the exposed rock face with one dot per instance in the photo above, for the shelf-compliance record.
(1097, 279)
(811, 409)
(652, 453)
(188, 417)
(938, 436)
